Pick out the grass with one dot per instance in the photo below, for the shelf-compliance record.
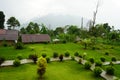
(67, 70)
(11, 53)
(55, 69)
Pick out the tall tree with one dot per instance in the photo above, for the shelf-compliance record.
(23, 30)
(2, 20)
(59, 30)
(73, 30)
(44, 29)
(36, 28)
(12, 23)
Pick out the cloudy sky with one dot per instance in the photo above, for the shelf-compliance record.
(24, 10)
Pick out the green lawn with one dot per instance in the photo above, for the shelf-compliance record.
(67, 70)
(11, 53)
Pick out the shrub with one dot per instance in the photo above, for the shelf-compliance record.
(42, 64)
(33, 57)
(64, 41)
(73, 58)
(111, 63)
(19, 45)
(16, 63)
(44, 55)
(84, 55)
(110, 70)
(98, 63)
(113, 59)
(61, 57)
(87, 65)
(55, 54)
(19, 56)
(67, 54)
(4, 43)
(91, 60)
(76, 54)
(80, 61)
(48, 60)
(106, 53)
(2, 59)
(93, 48)
(97, 71)
(80, 56)
(102, 59)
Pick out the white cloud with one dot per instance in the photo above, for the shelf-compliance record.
(27, 9)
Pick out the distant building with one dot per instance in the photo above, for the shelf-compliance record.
(35, 38)
(10, 36)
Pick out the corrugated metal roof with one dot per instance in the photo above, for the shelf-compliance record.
(28, 38)
(8, 34)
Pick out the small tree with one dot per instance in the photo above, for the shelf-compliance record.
(98, 63)
(87, 65)
(67, 54)
(110, 70)
(102, 59)
(42, 64)
(19, 45)
(76, 54)
(113, 59)
(91, 60)
(97, 71)
(55, 54)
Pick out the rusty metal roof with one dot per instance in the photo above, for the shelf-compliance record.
(28, 38)
(8, 34)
